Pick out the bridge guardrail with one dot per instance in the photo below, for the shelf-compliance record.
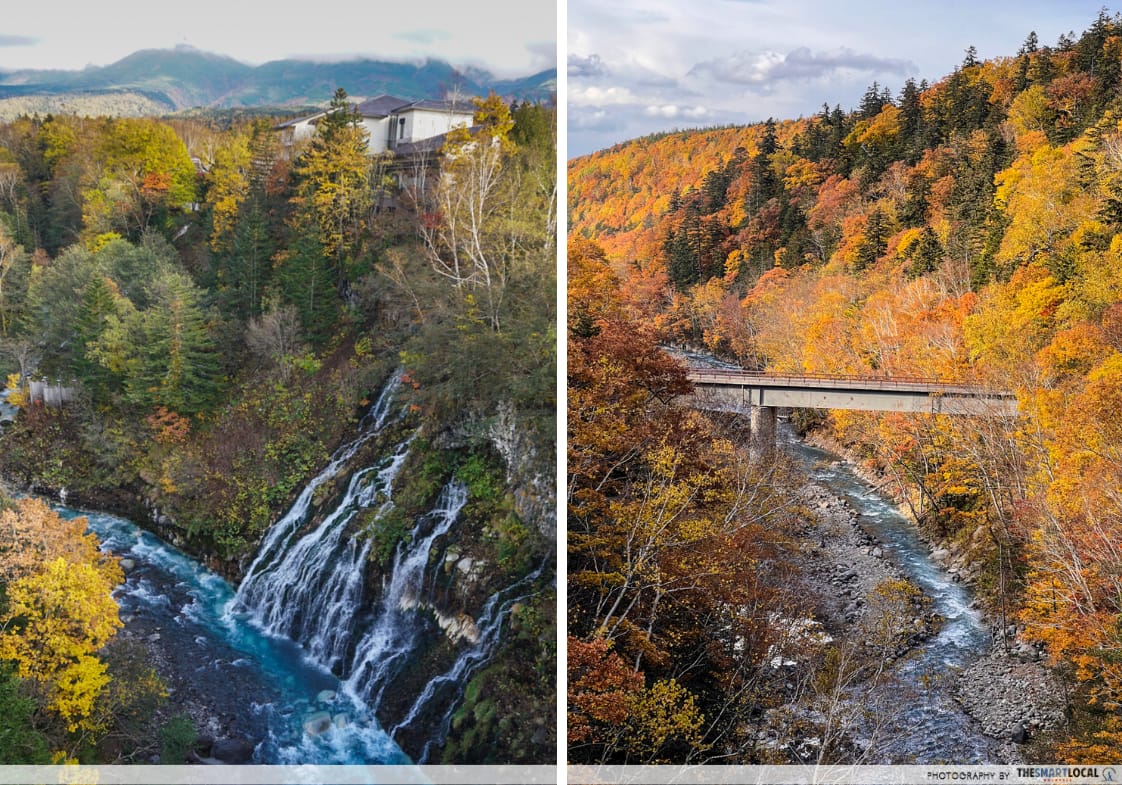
(891, 382)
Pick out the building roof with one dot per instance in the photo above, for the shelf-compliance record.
(385, 105)
(298, 120)
(381, 106)
(429, 145)
(462, 106)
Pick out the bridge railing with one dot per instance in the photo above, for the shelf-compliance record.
(900, 382)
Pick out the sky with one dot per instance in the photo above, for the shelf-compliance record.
(508, 37)
(640, 66)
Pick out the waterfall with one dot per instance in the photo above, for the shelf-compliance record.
(313, 590)
(308, 584)
(278, 536)
(490, 623)
(391, 637)
(308, 588)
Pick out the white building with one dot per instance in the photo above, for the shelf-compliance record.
(391, 122)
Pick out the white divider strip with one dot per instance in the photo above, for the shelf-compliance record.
(278, 775)
(839, 775)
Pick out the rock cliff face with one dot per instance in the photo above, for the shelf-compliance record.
(474, 635)
(528, 477)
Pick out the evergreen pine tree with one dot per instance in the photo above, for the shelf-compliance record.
(303, 278)
(98, 303)
(178, 364)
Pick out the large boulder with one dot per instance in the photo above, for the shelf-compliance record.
(235, 750)
(317, 723)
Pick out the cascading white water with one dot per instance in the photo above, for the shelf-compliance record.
(391, 637)
(276, 539)
(309, 588)
(490, 624)
(306, 583)
(312, 591)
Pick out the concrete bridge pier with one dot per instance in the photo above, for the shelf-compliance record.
(761, 442)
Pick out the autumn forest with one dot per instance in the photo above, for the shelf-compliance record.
(968, 229)
(279, 441)
(224, 310)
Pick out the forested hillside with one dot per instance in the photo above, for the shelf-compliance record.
(967, 229)
(224, 312)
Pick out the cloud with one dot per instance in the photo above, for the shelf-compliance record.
(593, 118)
(764, 68)
(597, 127)
(586, 67)
(593, 67)
(673, 111)
(423, 36)
(17, 40)
(543, 54)
(597, 96)
(647, 78)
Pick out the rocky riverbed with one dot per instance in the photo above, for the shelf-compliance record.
(1012, 695)
(249, 696)
(848, 565)
(1004, 695)
(207, 681)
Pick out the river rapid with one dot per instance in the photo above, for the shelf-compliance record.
(930, 727)
(256, 686)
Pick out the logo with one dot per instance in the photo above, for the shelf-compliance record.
(1110, 774)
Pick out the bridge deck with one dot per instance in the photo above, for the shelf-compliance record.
(718, 388)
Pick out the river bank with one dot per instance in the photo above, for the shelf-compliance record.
(210, 683)
(1009, 690)
(1002, 698)
(205, 680)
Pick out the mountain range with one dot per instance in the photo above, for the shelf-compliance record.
(157, 81)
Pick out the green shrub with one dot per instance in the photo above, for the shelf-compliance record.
(177, 739)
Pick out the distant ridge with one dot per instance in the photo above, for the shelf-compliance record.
(171, 80)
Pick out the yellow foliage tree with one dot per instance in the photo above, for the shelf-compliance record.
(55, 623)
(664, 713)
(229, 180)
(16, 395)
(879, 131)
(1043, 197)
(1014, 320)
(32, 535)
(1030, 115)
